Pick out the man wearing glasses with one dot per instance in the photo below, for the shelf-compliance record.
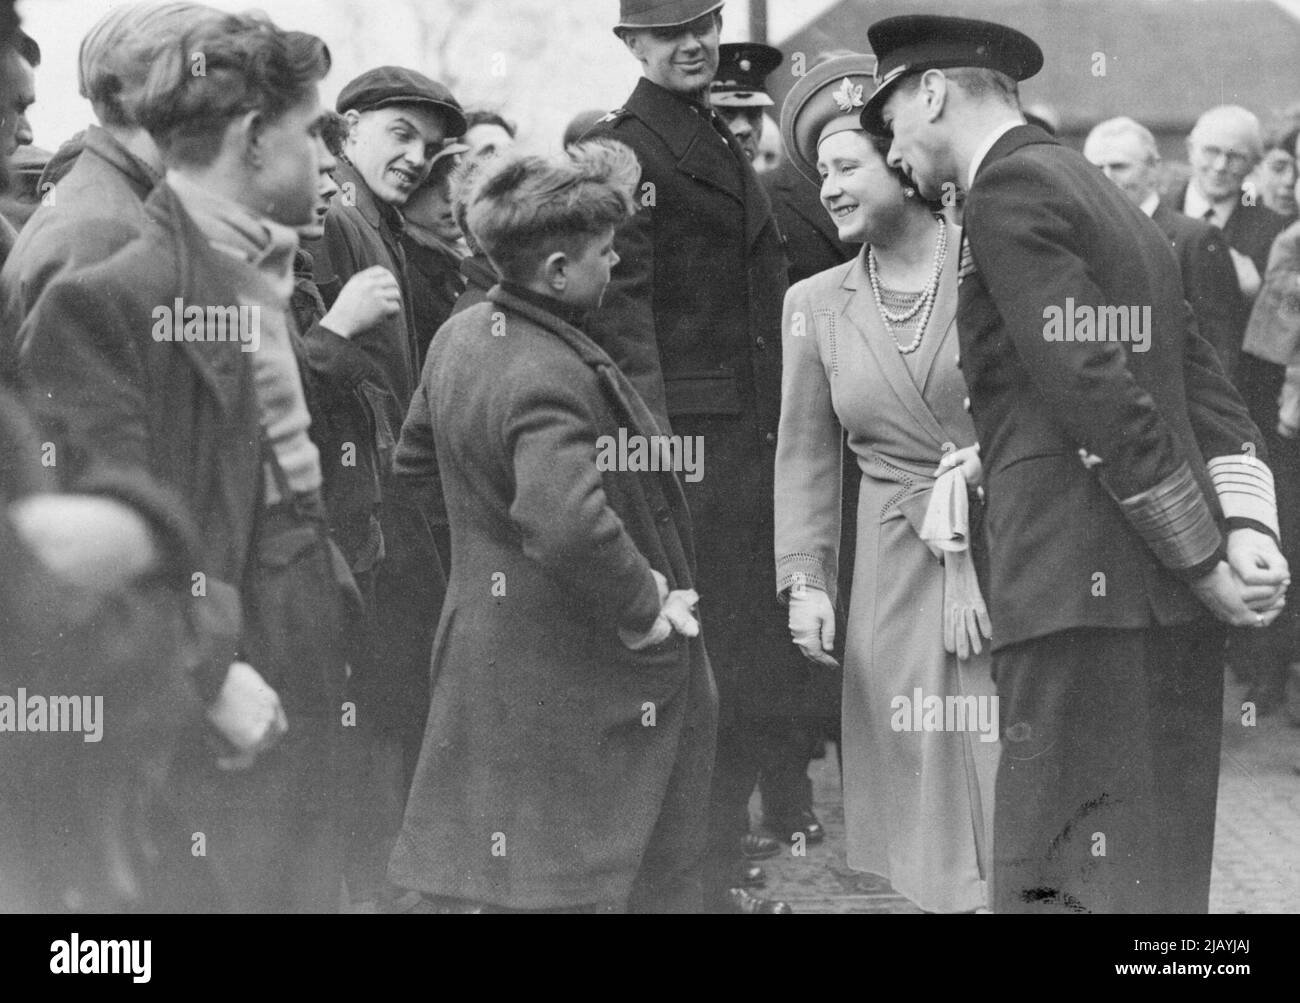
(1224, 147)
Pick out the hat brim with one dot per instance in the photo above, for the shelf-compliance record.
(872, 111)
(454, 118)
(676, 19)
(741, 99)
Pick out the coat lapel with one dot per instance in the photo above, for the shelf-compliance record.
(859, 309)
(222, 366)
(701, 151)
(937, 341)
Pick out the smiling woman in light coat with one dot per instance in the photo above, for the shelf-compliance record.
(870, 347)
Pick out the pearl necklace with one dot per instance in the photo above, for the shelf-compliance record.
(925, 299)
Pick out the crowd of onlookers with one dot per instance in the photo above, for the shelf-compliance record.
(236, 463)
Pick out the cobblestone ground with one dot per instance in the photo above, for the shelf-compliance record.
(1257, 836)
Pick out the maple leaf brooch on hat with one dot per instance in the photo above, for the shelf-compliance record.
(848, 97)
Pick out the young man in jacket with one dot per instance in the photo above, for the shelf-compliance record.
(173, 360)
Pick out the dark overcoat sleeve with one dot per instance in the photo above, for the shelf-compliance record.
(83, 362)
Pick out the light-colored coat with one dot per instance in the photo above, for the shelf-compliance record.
(916, 804)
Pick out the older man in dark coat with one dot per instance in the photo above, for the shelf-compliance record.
(693, 318)
(1122, 511)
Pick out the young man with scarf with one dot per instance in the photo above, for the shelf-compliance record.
(137, 370)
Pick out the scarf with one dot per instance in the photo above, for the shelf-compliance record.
(269, 249)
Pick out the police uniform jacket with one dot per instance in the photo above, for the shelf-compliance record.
(693, 317)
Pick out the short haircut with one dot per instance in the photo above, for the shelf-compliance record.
(219, 71)
(982, 82)
(334, 130)
(524, 209)
(1237, 115)
(26, 47)
(1282, 138)
(483, 117)
(1125, 126)
(116, 54)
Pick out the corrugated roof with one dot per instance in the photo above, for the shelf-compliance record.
(1165, 60)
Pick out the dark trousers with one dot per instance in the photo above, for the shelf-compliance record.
(1107, 784)
(787, 750)
(1261, 657)
(270, 838)
(735, 772)
(271, 835)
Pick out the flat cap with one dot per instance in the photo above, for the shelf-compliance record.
(916, 42)
(663, 13)
(386, 85)
(743, 69)
(826, 100)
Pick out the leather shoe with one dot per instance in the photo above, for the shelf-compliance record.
(756, 847)
(804, 821)
(750, 875)
(741, 901)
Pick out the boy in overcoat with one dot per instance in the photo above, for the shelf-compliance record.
(566, 761)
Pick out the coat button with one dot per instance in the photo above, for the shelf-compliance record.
(663, 515)
(770, 438)
(760, 342)
(966, 404)
(948, 447)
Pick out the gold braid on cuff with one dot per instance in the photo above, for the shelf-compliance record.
(1175, 521)
(1245, 489)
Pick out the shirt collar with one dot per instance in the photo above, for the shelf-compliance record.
(1196, 205)
(982, 150)
(1148, 205)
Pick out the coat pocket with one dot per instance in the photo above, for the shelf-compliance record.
(706, 393)
(386, 422)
